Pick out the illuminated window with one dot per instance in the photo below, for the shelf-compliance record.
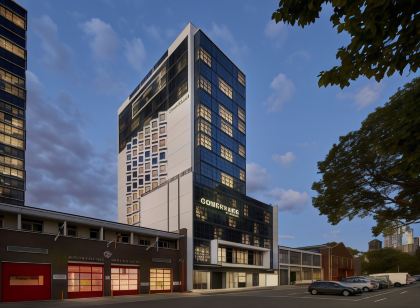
(204, 112)
(232, 222)
(17, 20)
(267, 243)
(217, 233)
(226, 153)
(204, 141)
(11, 172)
(241, 150)
(225, 88)
(84, 278)
(202, 254)
(9, 46)
(241, 114)
(226, 180)
(162, 143)
(255, 228)
(256, 242)
(225, 114)
(203, 84)
(11, 161)
(226, 128)
(160, 279)
(242, 175)
(36, 280)
(246, 239)
(204, 127)
(241, 79)
(267, 217)
(241, 126)
(12, 90)
(200, 213)
(11, 120)
(204, 56)
(221, 255)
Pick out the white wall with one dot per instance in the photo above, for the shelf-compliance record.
(122, 200)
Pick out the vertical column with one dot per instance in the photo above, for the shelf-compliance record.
(131, 238)
(19, 221)
(101, 233)
(65, 228)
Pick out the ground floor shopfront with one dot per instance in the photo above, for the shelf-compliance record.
(232, 278)
(35, 267)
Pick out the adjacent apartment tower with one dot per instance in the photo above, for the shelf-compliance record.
(12, 102)
(182, 164)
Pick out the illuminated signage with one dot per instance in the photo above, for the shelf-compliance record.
(227, 209)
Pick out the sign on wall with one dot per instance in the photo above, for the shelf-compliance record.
(227, 209)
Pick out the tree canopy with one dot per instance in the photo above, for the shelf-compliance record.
(389, 260)
(384, 35)
(376, 170)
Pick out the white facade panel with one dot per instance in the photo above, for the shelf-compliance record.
(154, 209)
(122, 187)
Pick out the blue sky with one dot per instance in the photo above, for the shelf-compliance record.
(85, 57)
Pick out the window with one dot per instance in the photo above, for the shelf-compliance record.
(11, 172)
(162, 117)
(204, 141)
(267, 243)
(71, 230)
(154, 136)
(217, 233)
(17, 20)
(204, 127)
(144, 242)
(124, 278)
(154, 173)
(241, 126)
(221, 255)
(241, 150)
(160, 279)
(154, 185)
(245, 210)
(204, 56)
(200, 213)
(85, 278)
(11, 141)
(162, 155)
(162, 129)
(147, 166)
(241, 79)
(256, 242)
(204, 112)
(11, 120)
(226, 128)
(246, 239)
(225, 114)
(154, 149)
(267, 217)
(162, 168)
(242, 175)
(225, 88)
(13, 90)
(227, 180)
(32, 225)
(241, 114)
(123, 237)
(12, 79)
(9, 46)
(35, 280)
(94, 234)
(203, 84)
(226, 153)
(255, 228)
(202, 254)
(154, 161)
(232, 222)
(154, 124)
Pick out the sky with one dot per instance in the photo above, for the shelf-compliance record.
(85, 58)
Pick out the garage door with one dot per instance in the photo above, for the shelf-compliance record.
(85, 280)
(25, 281)
(124, 280)
(160, 280)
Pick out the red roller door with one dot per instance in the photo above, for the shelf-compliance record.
(25, 282)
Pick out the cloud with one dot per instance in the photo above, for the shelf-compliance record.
(289, 200)
(64, 171)
(284, 159)
(367, 95)
(158, 34)
(364, 96)
(135, 53)
(282, 91)
(104, 43)
(57, 55)
(276, 32)
(256, 179)
(224, 36)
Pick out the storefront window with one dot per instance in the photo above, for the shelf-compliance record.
(201, 280)
(160, 279)
(123, 278)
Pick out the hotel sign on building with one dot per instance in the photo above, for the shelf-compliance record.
(227, 209)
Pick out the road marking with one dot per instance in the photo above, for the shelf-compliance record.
(403, 292)
(379, 294)
(379, 300)
(292, 293)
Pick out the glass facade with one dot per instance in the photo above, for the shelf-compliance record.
(12, 102)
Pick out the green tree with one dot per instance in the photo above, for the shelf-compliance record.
(384, 35)
(376, 170)
(389, 260)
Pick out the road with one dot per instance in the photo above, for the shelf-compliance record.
(291, 297)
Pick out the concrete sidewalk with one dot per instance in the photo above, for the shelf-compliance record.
(238, 290)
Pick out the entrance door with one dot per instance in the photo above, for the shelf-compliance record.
(216, 280)
(25, 282)
(292, 277)
(85, 280)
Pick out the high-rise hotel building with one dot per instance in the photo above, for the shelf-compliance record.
(12, 102)
(182, 164)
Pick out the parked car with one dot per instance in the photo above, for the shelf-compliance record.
(365, 284)
(417, 277)
(332, 287)
(397, 279)
(383, 281)
(411, 279)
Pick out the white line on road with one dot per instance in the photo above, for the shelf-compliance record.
(403, 292)
(379, 300)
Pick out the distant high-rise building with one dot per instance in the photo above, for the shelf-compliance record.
(12, 102)
(375, 245)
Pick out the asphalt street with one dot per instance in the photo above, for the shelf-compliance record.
(291, 297)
